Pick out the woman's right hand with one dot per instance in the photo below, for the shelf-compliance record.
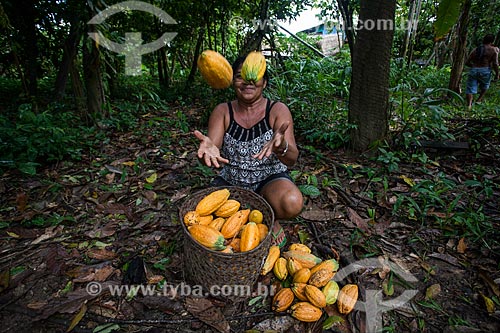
(208, 152)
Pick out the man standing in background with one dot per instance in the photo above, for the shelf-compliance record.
(482, 60)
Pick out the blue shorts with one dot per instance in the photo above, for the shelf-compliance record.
(478, 76)
(219, 181)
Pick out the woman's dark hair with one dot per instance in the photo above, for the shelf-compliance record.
(239, 61)
(488, 39)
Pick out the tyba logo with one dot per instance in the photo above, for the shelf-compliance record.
(133, 48)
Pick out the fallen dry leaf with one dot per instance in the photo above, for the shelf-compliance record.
(78, 317)
(361, 223)
(433, 291)
(21, 201)
(319, 215)
(72, 302)
(488, 303)
(205, 311)
(103, 231)
(462, 246)
(101, 254)
(50, 232)
(491, 283)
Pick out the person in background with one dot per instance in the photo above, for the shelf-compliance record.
(252, 140)
(482, 61)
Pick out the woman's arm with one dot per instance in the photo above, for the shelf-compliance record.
(210, 144)
(283, 143)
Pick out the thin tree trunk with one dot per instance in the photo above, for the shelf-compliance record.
(30, 48)
(255, 40)
(347, 13)
(369, 91)
(415, 28)
(93, 80)
(78, 91)
(5, 21)
(160, 55)
(69, 53)
(459, 52)
(197, 51)
(406, 42)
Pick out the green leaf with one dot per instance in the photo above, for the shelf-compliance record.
(332, 321)
(28, 168)
(254, 300)
(303, 236)
(106, 328)
(309, 190)
(447, 16)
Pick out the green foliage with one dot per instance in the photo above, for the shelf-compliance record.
(315, 90)
(33, 137)
(447, 16)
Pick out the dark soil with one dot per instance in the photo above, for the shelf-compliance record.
(105, 219)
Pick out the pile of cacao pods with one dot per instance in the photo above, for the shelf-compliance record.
(311, 285)
(224, 224)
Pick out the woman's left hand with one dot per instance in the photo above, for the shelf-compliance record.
(276, 145)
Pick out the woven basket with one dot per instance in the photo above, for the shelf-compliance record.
(212, 269)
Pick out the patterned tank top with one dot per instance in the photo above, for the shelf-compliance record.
(238, 147)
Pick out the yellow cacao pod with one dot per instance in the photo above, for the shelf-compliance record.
(234, 223)
(212, 201)
(307, 260)
(207, 236)
(282, 300)
(250, 237)
(347, 298)
(263, 230)
(215, 69)
(315, 296)
(253, 67)
(330, 264)
(217, 223)
(191, 218)
(331, 291)
(299, 247)
(256, 216)
(279, 269)
(235, 244)
(302, 275)
(320, 278)
(205, 220)
(272, 255)
(306, 312)
(293, 266)
(299, 290)
(230, 207)
(228, 249)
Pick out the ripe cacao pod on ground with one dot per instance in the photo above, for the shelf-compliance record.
(347, 298)
(305, 311)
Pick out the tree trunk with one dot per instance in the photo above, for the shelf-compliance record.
(194, 65)
(161, 64)
(347, 12)
(409, 28)
(460, 50)
(29, 33)
(369, 91)
(69, 53)
(78, 91)
(93, 80)
(416, 17)
(255, 40)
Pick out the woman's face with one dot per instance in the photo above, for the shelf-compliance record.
(247, 91)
